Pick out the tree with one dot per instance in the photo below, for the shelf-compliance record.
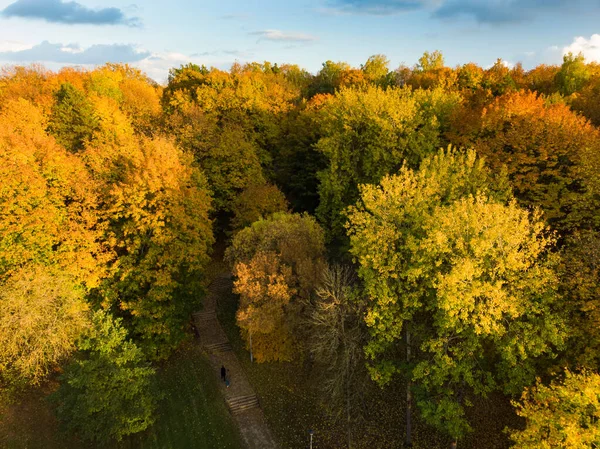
(265, 288)
(564, 414)
(256, 202)
(542, 147)
(580, 283)
(158, 225)
(105, 394)
(464, 275)
(366, 135)
(42, 315)
(277, 262)
(338, 335)
(573, 74)
(431, 61)
(72, 121)
(376, 68)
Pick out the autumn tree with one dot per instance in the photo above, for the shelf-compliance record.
(42, 315)
(277, 261)
(463, 275)
(563, 414)
(105, 393)
(159, 228)
(255, 202)
(542, 147)
(50, 247)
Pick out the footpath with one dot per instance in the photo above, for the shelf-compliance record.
(239, 396)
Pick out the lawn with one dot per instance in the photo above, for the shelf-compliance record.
(293, 404)
(191, 413)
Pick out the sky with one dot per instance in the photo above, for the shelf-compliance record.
(157, 35)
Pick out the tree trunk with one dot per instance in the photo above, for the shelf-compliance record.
(454, 444)
(408, 393)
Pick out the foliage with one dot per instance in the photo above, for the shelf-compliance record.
(440, 248)
(573, 74)
(255, 202)
(564, 414)
(276, 261)
(158, 225)
(105, 394)
(366, 135)
(42, 314)
(541, 145)
(580, 282)
(72, 121)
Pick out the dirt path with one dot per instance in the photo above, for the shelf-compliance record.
(240, 396)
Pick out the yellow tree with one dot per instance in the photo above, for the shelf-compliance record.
(465, 275)
(50, 250)
(563, 414)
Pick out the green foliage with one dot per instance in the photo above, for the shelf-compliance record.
(431, 61)
(573, 74)
(366, 135)
(441, 249)
(564, 414)
(73, 120)
(105, 394)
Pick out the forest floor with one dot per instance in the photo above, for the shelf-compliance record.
(293, 404)
(191, 413)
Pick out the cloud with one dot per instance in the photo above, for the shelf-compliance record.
(590, 48)
(482, 11)
(496, 11)
(69, 12)
(281, 36)
(378, 7)
(73, 54)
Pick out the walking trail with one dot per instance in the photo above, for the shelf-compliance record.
(239, 396)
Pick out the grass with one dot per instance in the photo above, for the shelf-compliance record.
(191, 413)
(293, 404)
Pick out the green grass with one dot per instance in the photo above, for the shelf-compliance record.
(293, 404)
(191, 413)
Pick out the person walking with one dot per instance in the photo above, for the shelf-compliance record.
(223, 374)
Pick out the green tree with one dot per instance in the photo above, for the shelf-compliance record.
(73, 120)
(431, 61)
(573, 74)
(367, 134)
(105, 394)
(564, 414)
(463, 275)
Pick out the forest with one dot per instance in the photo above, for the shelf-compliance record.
(414, 253)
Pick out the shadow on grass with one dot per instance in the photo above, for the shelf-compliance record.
(191, 413)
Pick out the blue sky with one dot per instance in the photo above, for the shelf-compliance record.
(157, 35)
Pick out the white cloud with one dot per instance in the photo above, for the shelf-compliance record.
(589, 47)
(282, 36)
